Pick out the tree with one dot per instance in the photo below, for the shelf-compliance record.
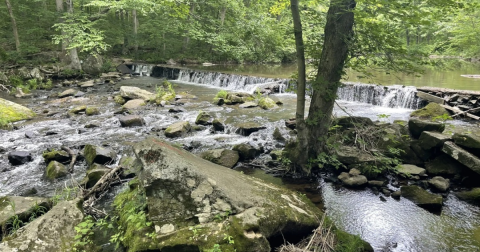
(14, 25)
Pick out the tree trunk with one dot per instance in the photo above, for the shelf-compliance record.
(135, 32)
(187, 38)
(14, 25)
(222, 15)
(75, 64)
(60, 10)
(408, 37)
(300, 159)
(338, 35)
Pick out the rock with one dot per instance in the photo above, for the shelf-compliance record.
(79, 94)
(68, 92)
(178, 129)
(199, 190)
(78, 109)
(429, 140)
(52, 232)
(351, 121)
(184, 95)
(131, 165)
(245, 151)
(56, 155)
(93, 64)
(94, 174)
(291, 124)
(444, 165)
(422, 198)
(133, 104)
(351, 155)
(13, 112)
(278, 136)
(131, 121)
(238, 97)
(136, 93)
(417, 126)
(99, 155)
(397, 194)
(30, 134)
(352, 180)
(430, 111)
(89, 111)
(410, 170)
(23, 207)
(462, 156)
(223, 157)
(218, 125)
(439, 183)
(276, 154)
(122, 68)
(267, 103)
(245, 129)
(91, 126)
(354, 172)
(376, 183)
(204, 118)
(248, 105)
(472, 196)
(19, 157)
(177, 110)
(55, 170)
(467, 140)
(119, 100)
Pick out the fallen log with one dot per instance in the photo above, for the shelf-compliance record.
(474, 110)
(458, 111)
(73, 156)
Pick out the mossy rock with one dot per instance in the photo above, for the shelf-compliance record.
(178, 129)
(89, 111)
(430, 111)
(78, 109)
(119, 100)
(422, 198)
(267, 103)
(94, 174)
(204, 118)
(56, 155)
(472, 196)
(97, 154)
(13, 112)
(55, 170)
(223, 157)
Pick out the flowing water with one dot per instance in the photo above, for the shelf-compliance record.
(388, 226)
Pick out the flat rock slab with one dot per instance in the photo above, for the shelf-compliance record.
(411, 170)
(133, 104)
(422, 198)
(462, 156)
(223, 157)
(351, 155)
(444, 165)
(22, 206)
(467, 140)
(136, 93)
(417, 126)
(430, 139)
(68, 92)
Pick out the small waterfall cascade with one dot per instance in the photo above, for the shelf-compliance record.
(395, 96)
(233, 82)
(142, 70)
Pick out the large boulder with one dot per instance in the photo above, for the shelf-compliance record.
(246, 151)
(218, 125)
(267, 103)
(55, 170)
(223, 157)
(472, 196)
(430, 111)
(444, 165)
(94, 174)
(178, 129)
(133, 104)
(352, 121)
(417, 126)
(352, 179)
(439, 183)
(68, 92)
(182, 189)
(56, 155)
(19, 157)
(410, 170)
(131, 121)
(12, 112)
(204, 118)
(136, 93)
(351, 155)
(93, 64)
(245, 129)
(100, 155)
(470, 141)
(51, 232)
(422, 198)
(432, 140)
(462, 156)
(238, 97)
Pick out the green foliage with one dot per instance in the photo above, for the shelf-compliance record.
(324, 160)
(165, 92)
(14, 222)
(216, 248)
(84, 233)
(65, 194)
(443, 118)
(222, 94)
(46, 85)
(32, 84)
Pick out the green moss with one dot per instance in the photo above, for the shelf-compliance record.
(12, 112)
(92, 111)
(221, 94)
(119, 100)
(78, 109)
(165, 92)
(266, 103)
(58, 155)
(429, 111)
(55, 170)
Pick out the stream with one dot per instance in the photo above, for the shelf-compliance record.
(388, 226)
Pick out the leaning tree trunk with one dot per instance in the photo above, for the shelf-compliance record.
(299, 157)
(14, 25)
(186, 39)
(75, 64)
(338, 34)
(135, 32)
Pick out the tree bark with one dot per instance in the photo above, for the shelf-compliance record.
(135, 32)
(338, 35)
(222, 15)
(187, 38)
(14, 25)
(75, 64)
(60, 9)
(299, 156)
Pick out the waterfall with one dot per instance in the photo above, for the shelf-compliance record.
(142, 70)
(395, 96)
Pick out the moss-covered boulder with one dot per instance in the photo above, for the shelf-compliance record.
(68, 92)
(236, 97)
(417, 126)
(130, 93)
(410, 170)
(430, 111)
(178, 129)
(94, 174)
(131, 121)
(218, 125)
(197, 206)
(119, 100)
(12, 112)
(53, 232)
(470, 141)
(223, 157)
(472, 196)
(55, 155)
(277, 135)
(134, 104)
(55, 170)
(267, 103)
(89, 111)
(245, 151)
(432, 140)
(422, 198)
(99, 155)
(131, 165)
(203, 118)
(78, 109)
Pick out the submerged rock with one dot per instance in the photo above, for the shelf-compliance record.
(52, 232)
(55, 170)
(131, 121)
(422, 198)
(417, 126)
(223, 157)
(19, 157)
(178, 129)
(99, 155)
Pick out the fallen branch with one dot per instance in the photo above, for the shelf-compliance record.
(72, 155)
(103, 183)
